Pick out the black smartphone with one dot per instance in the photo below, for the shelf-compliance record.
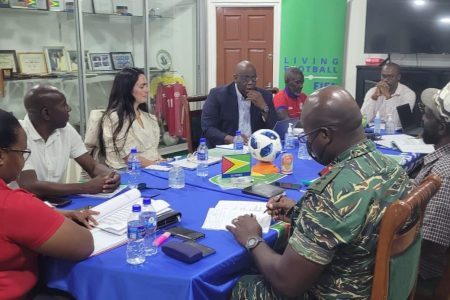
(263, 190)
(288, 185)
(58, 202)
(185, 233)
(206, 251)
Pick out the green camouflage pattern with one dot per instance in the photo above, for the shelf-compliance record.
(336, 224)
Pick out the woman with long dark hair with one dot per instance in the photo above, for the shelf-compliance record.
(28, 227)
(127, 122)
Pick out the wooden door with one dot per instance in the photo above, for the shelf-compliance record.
(245, 34)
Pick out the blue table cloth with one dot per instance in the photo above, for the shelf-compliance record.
(108, 276)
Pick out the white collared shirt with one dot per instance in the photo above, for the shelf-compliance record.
(402, 95)
(49, 159)
(245, 125)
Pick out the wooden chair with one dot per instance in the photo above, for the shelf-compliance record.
(193, 119)
(398, 249)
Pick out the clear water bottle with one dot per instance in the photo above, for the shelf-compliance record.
(150, 221)
(202, 159)
(289, 138)
(303, 151)
(238, 142)
(134, 168)
(390, 125)
(377, 124)
(136, 233)
(176, 176)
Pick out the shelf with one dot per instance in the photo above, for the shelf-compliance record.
(34, 11)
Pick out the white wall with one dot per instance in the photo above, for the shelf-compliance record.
(355, 48)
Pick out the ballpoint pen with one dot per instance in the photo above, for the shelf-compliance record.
(277, 200)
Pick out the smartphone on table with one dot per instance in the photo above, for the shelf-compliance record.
(288, 185)
(185, 233)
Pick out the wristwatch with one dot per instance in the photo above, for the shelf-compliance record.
(252, 242)
(265, 109)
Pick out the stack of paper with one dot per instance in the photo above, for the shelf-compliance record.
(191, 163)
(111, 230)
(226, 210)
(405, 143)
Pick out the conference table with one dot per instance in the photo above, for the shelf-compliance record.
(108, 276)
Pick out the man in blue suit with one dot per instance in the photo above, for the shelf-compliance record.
(237, 106)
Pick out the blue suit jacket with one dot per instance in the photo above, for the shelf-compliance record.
(220, 116)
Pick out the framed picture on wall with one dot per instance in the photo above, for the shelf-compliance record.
(32, 62)
(122, 60)
(8, 60)
(7, 73)
(100, 61)
(57, 59)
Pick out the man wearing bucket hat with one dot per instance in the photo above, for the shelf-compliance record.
(436, 224)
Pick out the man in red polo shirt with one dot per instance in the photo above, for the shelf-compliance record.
(288, 102)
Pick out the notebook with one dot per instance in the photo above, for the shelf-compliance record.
(410, 122)
(282, 126)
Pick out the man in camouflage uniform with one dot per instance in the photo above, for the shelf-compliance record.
(331, 251)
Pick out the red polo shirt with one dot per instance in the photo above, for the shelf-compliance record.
(25, 224)
(283, 101)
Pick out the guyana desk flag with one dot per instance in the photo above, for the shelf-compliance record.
(236, 165)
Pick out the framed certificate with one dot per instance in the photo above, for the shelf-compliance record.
(8, 60)
(32, 62)
(122, 60)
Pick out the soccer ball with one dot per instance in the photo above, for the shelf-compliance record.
(264, 145)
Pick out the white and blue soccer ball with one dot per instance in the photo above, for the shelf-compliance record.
(265, 145)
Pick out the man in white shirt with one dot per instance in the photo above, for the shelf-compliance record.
(52, 141)
(387, 95)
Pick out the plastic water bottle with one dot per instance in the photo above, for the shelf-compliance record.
(150, 221)
(202, 159)
(390, 126)
(136, 233)
(377, 124)
(303, 151)
(176, 176)
(238, 142)
(289, 140)
(134, 168)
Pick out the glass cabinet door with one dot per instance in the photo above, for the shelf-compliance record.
(173, 64)
(43, 44)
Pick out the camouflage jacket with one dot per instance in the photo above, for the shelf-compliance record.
(336, 223)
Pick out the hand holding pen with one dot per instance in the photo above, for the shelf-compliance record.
(278, 206)
(112, 181)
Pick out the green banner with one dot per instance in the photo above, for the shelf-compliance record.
(313, 39)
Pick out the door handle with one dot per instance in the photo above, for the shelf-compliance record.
(270, 56)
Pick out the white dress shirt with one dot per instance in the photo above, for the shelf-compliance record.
(402, 95)
(244, 114)
(49, 158)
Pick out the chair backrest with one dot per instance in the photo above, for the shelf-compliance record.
(91, 138)
(398, 247)
(193, 118)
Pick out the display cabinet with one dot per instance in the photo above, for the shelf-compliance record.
(97, 38)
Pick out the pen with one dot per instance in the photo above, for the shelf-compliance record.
(111, 175)
(161, 239)
(276, 201)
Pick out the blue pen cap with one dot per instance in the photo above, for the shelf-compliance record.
(146, 201)
(133, 150)
(136, 208)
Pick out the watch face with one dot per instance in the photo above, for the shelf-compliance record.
(252, 242)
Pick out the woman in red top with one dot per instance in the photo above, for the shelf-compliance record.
(28, 227)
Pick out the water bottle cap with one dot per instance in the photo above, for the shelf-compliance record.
(202, 140)
(146, 201)
(238, 132)
(133, 150)
(136, 208)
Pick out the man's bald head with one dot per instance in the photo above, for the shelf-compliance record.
(245, 77)
(41, 96)
(47, 107)
(331, 107)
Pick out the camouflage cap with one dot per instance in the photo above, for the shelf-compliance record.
(438, 101)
